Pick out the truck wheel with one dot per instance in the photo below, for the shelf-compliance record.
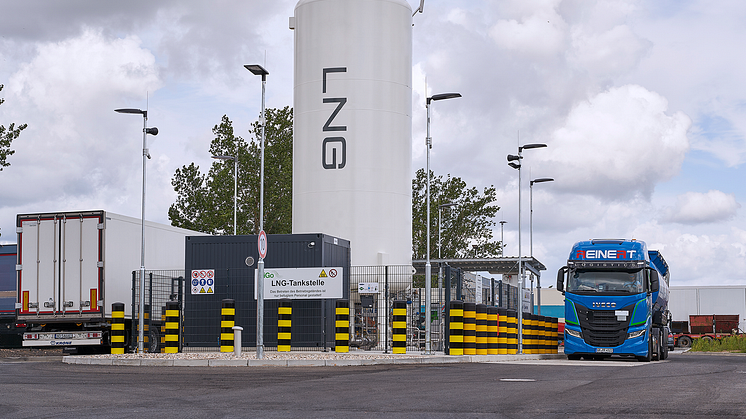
(664, 350)
(685, 342)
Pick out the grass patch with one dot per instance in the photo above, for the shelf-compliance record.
(727, 344)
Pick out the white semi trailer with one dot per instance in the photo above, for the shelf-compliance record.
(73, 265)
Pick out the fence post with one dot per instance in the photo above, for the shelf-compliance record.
(481, 329)
(342, 326)
(227, 321)
(117, 328)
(456, 324)
(399, 327)
(492, 330)
(172, 327)
(284, 322)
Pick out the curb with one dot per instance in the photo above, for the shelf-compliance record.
(342, 362)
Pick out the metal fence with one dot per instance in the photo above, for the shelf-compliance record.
(372, 292)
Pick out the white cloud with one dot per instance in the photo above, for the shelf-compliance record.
(617, 145)
(697, 208)
(541, 32)
(609, 53)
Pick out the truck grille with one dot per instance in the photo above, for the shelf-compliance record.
(601, 327)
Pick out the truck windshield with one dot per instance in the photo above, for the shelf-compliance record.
(604, 281)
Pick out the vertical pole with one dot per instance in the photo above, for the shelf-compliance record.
(141, 318)
(235, 189)
(520, 262)
(260, 263)
(428, 278)
(386, 315)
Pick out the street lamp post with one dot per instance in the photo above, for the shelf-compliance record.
(531, 232)
(145, 156)
(428, 269)
(515, 162)
(235, 185)
(258, 70)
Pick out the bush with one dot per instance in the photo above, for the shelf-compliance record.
(727, 344)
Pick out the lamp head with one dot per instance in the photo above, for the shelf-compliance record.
(151, 131)
(514, 166)
(132, 110)
(442, 96)
(513, 157)
(257, 70)
(530, 146)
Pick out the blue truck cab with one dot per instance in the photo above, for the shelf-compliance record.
(616, 300)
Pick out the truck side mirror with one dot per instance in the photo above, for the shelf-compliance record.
(654, 280)
(561, 279)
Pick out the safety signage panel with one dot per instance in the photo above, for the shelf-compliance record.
(367, 287)
(302, 283)
(203, 281)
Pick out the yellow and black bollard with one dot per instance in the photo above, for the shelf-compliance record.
(342, 327)
(456, 328)
(172, 327)
(470, 329)
(512, 332)
(227, 321)
(492, 330)
(284, 321)
(481, 332)
(162, 346)
(502, 331)
(555, 335)
(399, 327)
(546, 334)
(117, 328)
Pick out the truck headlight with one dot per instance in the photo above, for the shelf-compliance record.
(574, 333)
(636, 334)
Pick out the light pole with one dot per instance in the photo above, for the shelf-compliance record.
(515, 162)
(502, 237)
(428, 269)
(258, 70)
(531, 232)
(440, 269)
(145, 156)
(235, 185)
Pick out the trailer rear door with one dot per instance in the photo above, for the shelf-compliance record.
(61, 269)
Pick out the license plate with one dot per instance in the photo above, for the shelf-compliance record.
(604, 350)
(64, 335)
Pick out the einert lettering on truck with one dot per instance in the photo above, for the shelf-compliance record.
(616, 300)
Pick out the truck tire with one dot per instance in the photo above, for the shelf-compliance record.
(664, 350)
(685, 342)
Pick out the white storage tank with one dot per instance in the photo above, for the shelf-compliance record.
(352, 147)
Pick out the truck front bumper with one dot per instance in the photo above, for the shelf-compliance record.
(636, 347)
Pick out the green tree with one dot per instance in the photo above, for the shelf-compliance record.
(205, 201)
(6, 138)
(466, 228)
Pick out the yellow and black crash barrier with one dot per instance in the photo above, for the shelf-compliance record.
(172, 327)
(163, 330)
(117, 328)
(539, 335)
(512, 332)
(528, 334)
(502, 331)
(492, 330)
(342, 327)
(481, 335)
(470, 329)
(227, 321)
(546, 335)
(399, 327)
(456, 327)
(555, 335)
(284, 321)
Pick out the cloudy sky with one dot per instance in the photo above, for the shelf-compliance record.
(642, 105)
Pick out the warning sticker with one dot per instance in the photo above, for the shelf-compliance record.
(203, 281)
